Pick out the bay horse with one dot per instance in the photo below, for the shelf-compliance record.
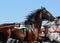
(8, 30)
(34, 22)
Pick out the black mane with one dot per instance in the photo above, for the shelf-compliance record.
(30, 18)
(7, 24)
(33, 14)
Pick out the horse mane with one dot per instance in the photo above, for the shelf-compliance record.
(31, 17)
(7, 24)
(32, 14)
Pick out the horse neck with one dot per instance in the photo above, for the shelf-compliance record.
(38, 25)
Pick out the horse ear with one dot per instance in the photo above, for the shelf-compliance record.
(43, 8)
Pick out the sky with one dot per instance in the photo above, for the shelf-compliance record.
(17, 10)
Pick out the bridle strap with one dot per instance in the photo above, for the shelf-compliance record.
(40, 15)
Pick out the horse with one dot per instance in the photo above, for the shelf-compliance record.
(9, 30)
(33, 22)
(54, 30)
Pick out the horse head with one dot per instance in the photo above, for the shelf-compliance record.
(45, 14)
